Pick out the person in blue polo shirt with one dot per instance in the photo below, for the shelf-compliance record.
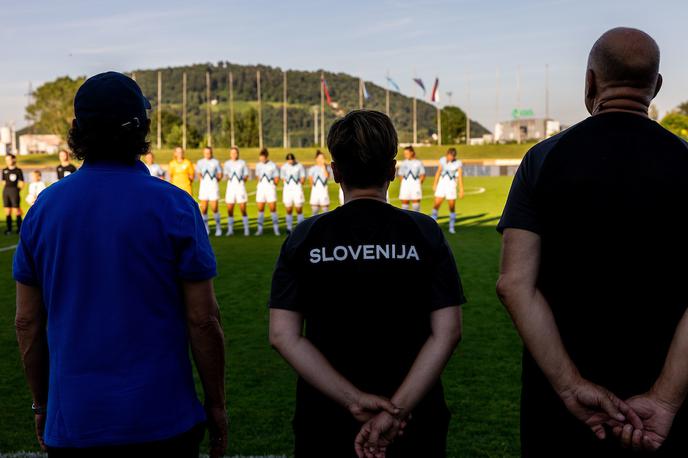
(110, 298)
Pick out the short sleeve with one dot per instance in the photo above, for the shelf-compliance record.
(21, 175)
(284, 293)
(422, 169)
(520, 211)
(24, 266)
(446, 289)
(195, 257)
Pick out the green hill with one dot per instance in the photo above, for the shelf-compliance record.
(303, 98)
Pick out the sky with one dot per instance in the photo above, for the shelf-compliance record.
(475, 47)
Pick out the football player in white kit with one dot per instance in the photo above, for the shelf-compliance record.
(319, 176)
(209, 173)
(237, 175)
(268, 176)
(449, 172)
(293, 176)
(412, 173)
(154, 168)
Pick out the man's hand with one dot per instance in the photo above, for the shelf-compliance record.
(39, 419)
(217, 431)
(365, 406)
(377, 434)
(596, 406)
(657, 417)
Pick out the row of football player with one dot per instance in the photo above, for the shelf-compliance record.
(208, 170)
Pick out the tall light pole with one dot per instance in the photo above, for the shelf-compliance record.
(184, 110)
(159, 109)
(208, 121)
(322, 109)
(260, 111)
(230, 89)
(285, 134)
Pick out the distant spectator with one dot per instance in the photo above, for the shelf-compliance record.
(14, 182)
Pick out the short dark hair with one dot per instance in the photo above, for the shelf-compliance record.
(452, 151)
(291, 157)
(363, 145)
(318, 153)
(264, 152)
(410, 148)
(10, 155)
(109, 143)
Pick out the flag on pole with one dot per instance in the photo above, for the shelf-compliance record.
(392, 84)
(366, 96)
(419, 82)
(435, 94)
(327, 92)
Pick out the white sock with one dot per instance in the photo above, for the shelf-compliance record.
(316, 210)
(244, 219)
(217, 221)
(261, 220)
(275, 222)
(325, 209)
(230, 224)
(290, 222)
(434, 214)
(205, 222)
(299, 218)
(452, 221)
(416, 207)
(404, 206)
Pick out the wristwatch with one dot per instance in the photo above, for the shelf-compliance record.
(37, 410)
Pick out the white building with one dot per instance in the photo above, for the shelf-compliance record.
(529, 129)
(39, 144)
(6, 143)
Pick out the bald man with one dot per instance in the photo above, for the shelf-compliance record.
(594, 268)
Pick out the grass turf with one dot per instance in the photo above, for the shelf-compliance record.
(163, 156)
(481, 381)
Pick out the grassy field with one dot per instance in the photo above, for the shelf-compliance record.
(163, 156)
(481, 382)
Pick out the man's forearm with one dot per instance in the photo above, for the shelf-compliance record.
(32, 339)
(315, 369)
(208, 349)
(672, 385)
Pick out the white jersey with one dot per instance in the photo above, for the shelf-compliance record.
(266, 173)
(236, 173)
(156, 171)
(411, 170)
(35, 188)
(449, 172)
(208, 169)
(320, 195)
(292, 174)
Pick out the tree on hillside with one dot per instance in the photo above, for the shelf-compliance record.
(683, 108)
(52, 110)
(246, 126)
(676, 122)
(453, 125)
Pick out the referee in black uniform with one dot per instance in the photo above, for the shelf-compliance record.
(594, 270)
(65, 167)
(14, 181)
(374, 345)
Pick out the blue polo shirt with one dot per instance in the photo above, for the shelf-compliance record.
(109, 247)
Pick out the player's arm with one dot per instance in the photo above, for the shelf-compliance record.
(459, 174)
(192, 172)
(20, 182)
(437, 178)
(30, 326)
(286, 336)
(533, 318)
(208, 349)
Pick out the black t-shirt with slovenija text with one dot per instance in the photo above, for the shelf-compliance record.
(366, 278)
(12, 177)
(607, 197)
(65, 170)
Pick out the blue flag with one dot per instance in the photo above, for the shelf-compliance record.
(392, 84)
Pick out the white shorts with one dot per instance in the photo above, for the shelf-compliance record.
(266, 192)
(446, 189)
(292, 195)
(236, 193)
(209, 190)
(320, 196)
(410, 190)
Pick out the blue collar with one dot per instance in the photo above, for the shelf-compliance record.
(114, 166)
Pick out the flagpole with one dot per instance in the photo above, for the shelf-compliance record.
(260, 111)
(387, 95)
(209, 128)
(439, 125)
(184, 110)
(322, 109)
(546, 91)
(315, 126)
(415, 103)
(231, 108)
(360, 93)
(159, 110)
(285, 134)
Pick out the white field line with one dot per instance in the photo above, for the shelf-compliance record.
(7, 248)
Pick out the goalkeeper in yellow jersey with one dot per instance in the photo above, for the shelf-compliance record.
(181, 171)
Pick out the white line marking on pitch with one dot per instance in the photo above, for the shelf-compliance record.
(8, 248)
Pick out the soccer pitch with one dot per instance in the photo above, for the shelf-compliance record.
(481, 383)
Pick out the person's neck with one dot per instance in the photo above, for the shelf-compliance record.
(635, 104)
(377, 193)
(64, 163)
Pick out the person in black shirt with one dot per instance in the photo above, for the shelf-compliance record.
(14, 182)
(594, 269)
(65, 168)
(374, 347)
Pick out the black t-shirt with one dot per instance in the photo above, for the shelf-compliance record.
(63, 171)
(366, 277)
(608, 198)
(12, 177)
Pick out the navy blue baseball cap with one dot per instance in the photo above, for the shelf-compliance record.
(112, 100)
